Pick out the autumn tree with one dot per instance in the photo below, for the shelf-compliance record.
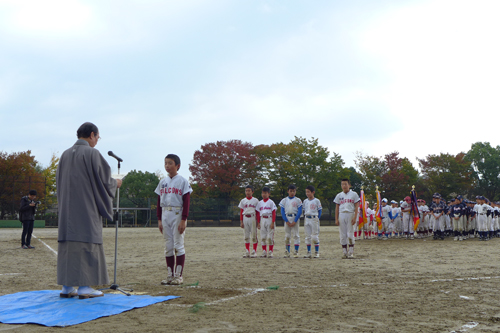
(223, 168)
(49, 173)
(19, 173)
(446, 174)
(485, 162)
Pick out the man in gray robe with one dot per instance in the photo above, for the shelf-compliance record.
(85, 192)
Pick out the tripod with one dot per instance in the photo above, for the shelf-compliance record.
(115, 286)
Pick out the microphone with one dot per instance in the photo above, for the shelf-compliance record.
(110, 153)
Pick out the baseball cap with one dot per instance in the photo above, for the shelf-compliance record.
(384, 200)
(459, 197)
(394, 202)
(436, 195)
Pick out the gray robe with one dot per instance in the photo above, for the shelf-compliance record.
(85, 192)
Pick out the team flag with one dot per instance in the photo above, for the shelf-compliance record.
(378, 215)
(414, 210)
(362, 216)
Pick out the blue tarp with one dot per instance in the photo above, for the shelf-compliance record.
(45, 307)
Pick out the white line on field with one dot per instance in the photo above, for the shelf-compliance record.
(12, 274)
(51, 249)
(252, 292)
(464, 328)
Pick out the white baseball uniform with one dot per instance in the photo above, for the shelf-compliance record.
(291, 206)
(311, 210)
(385, 218)
(347, 209)
(171, 191)
(249, 223)
(397, 220)
(265, 209)
(408, 225)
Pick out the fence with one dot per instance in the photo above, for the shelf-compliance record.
(206, 212)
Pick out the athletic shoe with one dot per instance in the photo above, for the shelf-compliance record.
(287, 254)
(31, 247)
(177, 281)
(247, 254)
(270, 254)
(308, 255)
(411, 237)
(254, 254)
(350, 256)
(25, 247)
(456, 238)
(296, 254)
(460, 238)
(344, 256)
(264, 254)
(316, 255)
(167, 281)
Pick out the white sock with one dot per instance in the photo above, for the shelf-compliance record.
(82, 290)
(66, 289)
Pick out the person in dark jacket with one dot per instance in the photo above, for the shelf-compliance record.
(27, 212)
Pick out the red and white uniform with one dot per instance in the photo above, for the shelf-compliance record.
(347, 205)
(266, 212)
(291, 206)
(171, 192)
(407, 219)
(311, 221)
(247, 210)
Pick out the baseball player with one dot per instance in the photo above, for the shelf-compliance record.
(437, 210)
(312, 211)
(266, 222)
(174, 195)
(408, 225)
(396, 218)
(374, 231)
(367, 225)
(248, 222)
(386, 219)
(291, 210)
(346, 211)
(457, 215)
(482, 209)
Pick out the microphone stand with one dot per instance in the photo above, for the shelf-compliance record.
(115, 286)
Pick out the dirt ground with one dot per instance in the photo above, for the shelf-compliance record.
(392, 286)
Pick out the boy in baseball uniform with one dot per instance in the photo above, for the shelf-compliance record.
(408, 226)
(386, 219)
(312, 211)
(346, 211)
(248, 222)
(291, 210)
(266, 222)
(172, 210)
(396, 218)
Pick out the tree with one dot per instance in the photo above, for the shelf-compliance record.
(139, 188)
(19, 173)
(50, 181)
(394, 175)
(223, 168)
(446, 174)
(485, 162)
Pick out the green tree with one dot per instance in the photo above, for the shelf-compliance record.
(446, 174)
(485, 161)
(139, 188)
(50, 182)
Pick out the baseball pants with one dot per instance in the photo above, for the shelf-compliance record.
(398, 226)
(437, 223)
(448, 222)
(311, 228)
(496, 225)
(385, 224)
(250, 227)
(292, 232)
(266, 233)
(482, 222)
(458, 225)
(174, 241)
(346, 229)
(408, 225)
(490, 223)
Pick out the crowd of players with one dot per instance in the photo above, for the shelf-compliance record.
(458, 218)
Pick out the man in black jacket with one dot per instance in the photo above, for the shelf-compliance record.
(27, 212)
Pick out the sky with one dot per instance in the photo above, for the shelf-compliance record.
(159, 77)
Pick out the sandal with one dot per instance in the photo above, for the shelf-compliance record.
(95, 293)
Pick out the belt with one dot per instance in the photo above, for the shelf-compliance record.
(266, 216)
(346, 212)
(482, 213)
(249, 215)
(291, 215)
(311, 216)
(171, 208)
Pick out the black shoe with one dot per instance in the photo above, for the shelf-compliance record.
(24, 247)
(30, 247)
